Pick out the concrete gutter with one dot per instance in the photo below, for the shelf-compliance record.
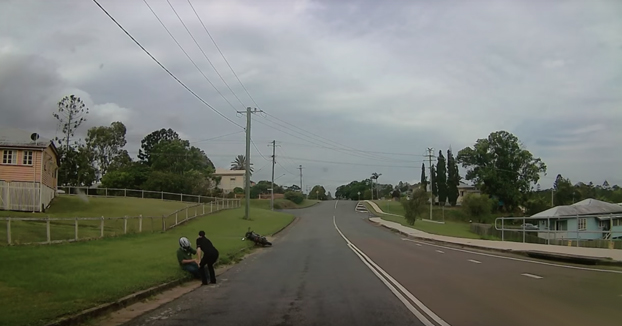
(98, 311)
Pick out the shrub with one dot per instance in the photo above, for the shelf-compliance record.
(294, 196)
(415, 205)
(477, 205)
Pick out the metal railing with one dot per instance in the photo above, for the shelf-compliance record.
(556, 231)
(136, 193)
(50, 230)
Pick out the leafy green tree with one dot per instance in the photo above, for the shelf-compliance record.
(351, 190)
(73, 170)
(106, 143)
(415, 206)
(240, 164)
(153, 139)
(318, 192)
(293, 188)
(131, 176)
(564, 191)
(441, 178)
(453, 179)
(71, 113)
(424, 181)
(477, 205)
(500, 166)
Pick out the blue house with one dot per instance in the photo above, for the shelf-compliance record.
(589, 219)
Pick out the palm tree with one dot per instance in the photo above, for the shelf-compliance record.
(240, 163)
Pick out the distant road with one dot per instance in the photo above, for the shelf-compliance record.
(333, 267)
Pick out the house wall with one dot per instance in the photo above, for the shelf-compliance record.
(571, 230)
(19, 171)
(230, 182)
(50, 168)
(462, 192)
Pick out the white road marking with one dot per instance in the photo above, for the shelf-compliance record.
(418, 244)
(337, 202)
(393, 285)
(475, 261)
(531, 275)
(440, 252)
(518, 259)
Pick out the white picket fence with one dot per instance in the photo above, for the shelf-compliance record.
(24, 196)
(28, 230)
(136, 193)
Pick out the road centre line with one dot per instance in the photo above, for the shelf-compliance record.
(440, 251)
(475, 261)
(393, 285)
(518, 259)
(532, 276)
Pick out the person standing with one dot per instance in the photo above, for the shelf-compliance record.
(208, 256)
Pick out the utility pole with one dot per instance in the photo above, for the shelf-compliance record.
(247, 177)
(273, 162)
(430, 156)
(300, 168)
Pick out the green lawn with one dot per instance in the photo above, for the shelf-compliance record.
(450, 228)
(281, 203)
(41, 283)
(74, 206)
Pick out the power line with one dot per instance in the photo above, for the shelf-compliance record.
(205, 55)
(163, 67)
(252, 142)
(356, 164)
(187, 55)
(217, 137)
(222, 55)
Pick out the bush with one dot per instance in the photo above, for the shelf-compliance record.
(294, 196)
(238, 190)
(477, 205)
(415, 205)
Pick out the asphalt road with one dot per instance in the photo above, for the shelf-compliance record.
(362, 274)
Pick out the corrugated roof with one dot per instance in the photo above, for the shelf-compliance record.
(229, 172)
(584, 207)
(19, 137)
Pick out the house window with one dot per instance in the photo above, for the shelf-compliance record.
(27, 159)
(462, 194)
(617, 222)
(582, 224)
(8, 157)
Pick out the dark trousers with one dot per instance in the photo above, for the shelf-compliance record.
(209, 261)
(192, 268)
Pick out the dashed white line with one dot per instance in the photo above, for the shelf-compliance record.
(519, 259)
(440, 252)
(418, 244)
(531, 275)
(475, 261)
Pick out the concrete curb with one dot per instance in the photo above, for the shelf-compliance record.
(83, 316)
(581, 260)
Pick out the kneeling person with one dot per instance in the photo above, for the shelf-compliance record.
(184, 257)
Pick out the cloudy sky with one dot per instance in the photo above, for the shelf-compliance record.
(349, 87)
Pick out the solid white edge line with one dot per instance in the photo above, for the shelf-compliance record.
(518, 259)
(475, 261)
(532, 276)
(370, 263)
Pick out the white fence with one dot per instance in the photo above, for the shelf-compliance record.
(24, 196)
(136, 193)
(27, 230)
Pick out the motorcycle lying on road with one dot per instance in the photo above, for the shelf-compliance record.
(256, 238)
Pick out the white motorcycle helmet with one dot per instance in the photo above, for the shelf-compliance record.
(184, 243)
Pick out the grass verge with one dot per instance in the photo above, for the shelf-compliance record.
(42, 283)
(282, 203)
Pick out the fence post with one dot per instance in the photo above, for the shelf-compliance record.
(176, 218)
(502, 230)
(143, 193)
(164, 223)
(186, 213)
(101, 228)
(125, 225)
(182, 197)
(47, 227)
(106, 192)
(548, 231)
(162, 195)
(577, 230)
(195, 211)
(8, 230)
(140, 223)
(211, 207)
(125, 192)
(524, 230)
(203, 207)
(75, 229)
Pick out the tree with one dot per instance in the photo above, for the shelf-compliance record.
(106, 143)
(293, 188)
(477, 205)
(130, 176)
(374, 176)
(76, 168)
(240, 164)
(71, 113)
(424, 181)
(453, 179)
(396, 194)
(318, 192)
(501, 167)
(564, 191)
(153, 139)
(294, 196)
(415, 206)
(433, 182)
(441, 178)
(351, 190)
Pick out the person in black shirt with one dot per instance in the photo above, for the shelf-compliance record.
(209, 256)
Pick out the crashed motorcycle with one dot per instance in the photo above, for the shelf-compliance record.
(256, 238)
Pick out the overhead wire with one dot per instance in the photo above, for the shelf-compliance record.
(187, 55)
(205, 55)
(163, 67)
(221, 54)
